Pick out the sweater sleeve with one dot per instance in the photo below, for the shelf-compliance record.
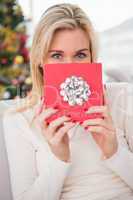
(122, 161)
(35, 173)
(122, 164)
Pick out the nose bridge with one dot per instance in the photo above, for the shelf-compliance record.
(68, 59)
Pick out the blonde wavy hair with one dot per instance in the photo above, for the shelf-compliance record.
(57, 17)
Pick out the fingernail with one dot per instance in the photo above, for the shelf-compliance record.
(85, 109)
(55, 110)
(56, 107)
(42, 99)
(73, 120)
(88, 111)
(68, 115)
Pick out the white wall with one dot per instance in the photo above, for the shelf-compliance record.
(103, 13)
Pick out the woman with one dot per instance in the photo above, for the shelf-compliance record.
(63, 160)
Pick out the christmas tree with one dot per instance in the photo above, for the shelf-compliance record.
(14, 55)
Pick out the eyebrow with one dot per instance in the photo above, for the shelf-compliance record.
(82, 50)
(60, 51)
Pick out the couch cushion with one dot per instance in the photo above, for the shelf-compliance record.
(5, 187)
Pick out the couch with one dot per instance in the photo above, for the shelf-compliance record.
(5, 187)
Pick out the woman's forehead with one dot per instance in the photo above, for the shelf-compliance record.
(70, 39)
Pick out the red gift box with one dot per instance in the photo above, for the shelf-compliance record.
(73, 88)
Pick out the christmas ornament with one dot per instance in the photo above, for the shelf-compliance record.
(18, 59)
(28, 81)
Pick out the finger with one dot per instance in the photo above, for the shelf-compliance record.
(97, 129)
(41, 107)
(44, 115)
(98, 109)
(97, 122)
(55, 124)
(61, 132)
(47, 113)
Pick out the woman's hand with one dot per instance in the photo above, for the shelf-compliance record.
(102, 129)
(56, 133)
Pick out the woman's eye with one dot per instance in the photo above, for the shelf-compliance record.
(56, 56)
(81, 55)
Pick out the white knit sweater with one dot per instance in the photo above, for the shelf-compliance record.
(36, 174)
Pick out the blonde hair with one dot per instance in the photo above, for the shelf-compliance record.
(57, 17)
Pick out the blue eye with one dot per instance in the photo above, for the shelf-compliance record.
(81, 55)
(56, 56)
